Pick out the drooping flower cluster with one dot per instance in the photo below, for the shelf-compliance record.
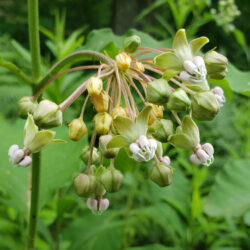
(181, 91)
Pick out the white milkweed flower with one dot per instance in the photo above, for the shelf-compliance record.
(19, 156)
(143, 149)
(97, 206)
(203, 155)
(195, 70)
(219, 95)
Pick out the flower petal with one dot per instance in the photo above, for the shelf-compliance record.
(198, 43)
(30, 130)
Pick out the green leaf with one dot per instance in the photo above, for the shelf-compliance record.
(169, 61)
(198, 43)
(111, 50)
(230, 195)
(238, 80)
(117, 142)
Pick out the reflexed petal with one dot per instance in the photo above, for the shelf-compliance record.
(169, 61)
(30, 129)
(198, 43)
(141, 121)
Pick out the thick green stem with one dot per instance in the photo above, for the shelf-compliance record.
(33, 18)
(35, 181)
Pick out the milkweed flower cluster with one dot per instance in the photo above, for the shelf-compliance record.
(173, 82)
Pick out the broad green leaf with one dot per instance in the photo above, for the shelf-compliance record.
(230, 195)
(238, 80)
(118, 142)
(198, 43)
(94, 232)
(169, 61)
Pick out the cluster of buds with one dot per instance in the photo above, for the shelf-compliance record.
(182, 89)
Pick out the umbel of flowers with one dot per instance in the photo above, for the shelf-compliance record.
(175, 80)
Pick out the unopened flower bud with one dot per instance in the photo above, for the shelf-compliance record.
(77, 129)
(27, 160)
(216, 65)
(85, 185)
(139, 66)
(12, 150)
(203, 155)
(123, 61)
(95, 86)
(103, 122)
(161, 174)
(131, 43)
(103, 205)
(108, 153)
(163, 129)
(158, 91)
(194, 159)
(119, 111)
(101, 101)
(48, 114)
(205, 106)
(18, 156)
(179, 101)
(86, 154)
(157, 112)
(26, 105)
(92, 205)
(112, 180)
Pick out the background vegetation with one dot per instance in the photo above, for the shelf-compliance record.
(204, 208)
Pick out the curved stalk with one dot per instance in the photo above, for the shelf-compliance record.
(73, 58)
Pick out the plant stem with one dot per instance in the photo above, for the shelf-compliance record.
(33, 19)
(35, 181)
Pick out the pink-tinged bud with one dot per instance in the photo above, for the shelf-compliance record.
(190, 67)
(92, 204)
(165, 160)
(18, 156)
(202, 155)
(194, 159)
(134, 148)
(12, 150)
(27, 160)
(208, 147)
(103, 205)
(219, 95)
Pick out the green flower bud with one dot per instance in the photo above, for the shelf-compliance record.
(179, 101)
(205, 106)
(103, 122)
(95, 86)
(163, 129)
(131, 43)
(77, 129)
(86, 153)
(101, 101)
(48, 114)
(85, 185)
(112, 180)
(26, 105)
(216, 65)
(158, 91)
(159, 149)
(99, 188)
(108, 153)
(161, 174)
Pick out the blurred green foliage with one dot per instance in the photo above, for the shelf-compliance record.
(204, 208)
